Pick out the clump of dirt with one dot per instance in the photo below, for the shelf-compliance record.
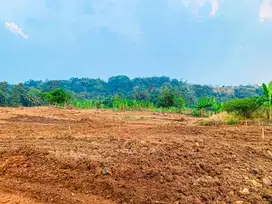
(37, 170)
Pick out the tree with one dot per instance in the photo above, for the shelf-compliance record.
(179, 103)
(166, 98)
(18, 95)
(34, 97)
(266, 99)
(58, 97)
(245, 92)
(216, 107)
(120, 85)
(140, 95)
(204, 104)
(243, 107)
(4, 94)
(3, 98)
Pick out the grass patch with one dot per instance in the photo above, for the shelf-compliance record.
(221, 119)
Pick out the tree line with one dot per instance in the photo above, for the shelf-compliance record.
(151, 89)
(163, 93)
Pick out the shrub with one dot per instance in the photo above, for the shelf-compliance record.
(57, 97)
(196, 113)
(243, 107)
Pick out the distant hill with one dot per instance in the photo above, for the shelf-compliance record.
(142, 88)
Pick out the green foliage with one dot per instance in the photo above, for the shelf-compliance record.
(3, 98)
(4, 94)
(266, 99)
(166, 98)
(34, 97)
(18, 95)
(216, 107)
(120, 85)
(140, 89)
(204, 103)
(208, 105)
(179, 103)
(196, 113)
(58, 97)
(243, 107)
(121, 93)
(115, 103)
(232, 121)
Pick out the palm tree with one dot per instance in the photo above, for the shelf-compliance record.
(266, 99)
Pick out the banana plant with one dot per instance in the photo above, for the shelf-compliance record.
(266, 99)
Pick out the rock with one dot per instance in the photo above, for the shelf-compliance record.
(254, 171)
(256, 184)
(267, 182)
(245, 191)
(105, 172)
(197, 144)
(239, 202)
(270, 153)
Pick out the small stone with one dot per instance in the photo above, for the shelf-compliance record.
(197, 144)
(267, 182)
(254, 171)
(256, 184)
(105, 172)
(245, 191)
(239, 202)
(270, 153)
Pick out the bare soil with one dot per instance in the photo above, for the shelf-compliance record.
(50, 155)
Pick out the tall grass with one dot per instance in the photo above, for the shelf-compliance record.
(125, 105)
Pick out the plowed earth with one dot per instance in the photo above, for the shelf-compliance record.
(50, 155)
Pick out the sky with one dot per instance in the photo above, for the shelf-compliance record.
(215, 42)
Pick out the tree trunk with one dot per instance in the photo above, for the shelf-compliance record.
(268, 111)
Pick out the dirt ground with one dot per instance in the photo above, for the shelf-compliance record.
(50, 155)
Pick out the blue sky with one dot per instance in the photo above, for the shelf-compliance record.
(202, 41)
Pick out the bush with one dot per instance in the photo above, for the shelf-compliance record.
(243, 107)
(58, 97)
(196, 113)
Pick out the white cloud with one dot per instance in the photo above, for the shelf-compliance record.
(266, 11)
(12, 27)
(72, 17)
(215, 7)
(196, 5)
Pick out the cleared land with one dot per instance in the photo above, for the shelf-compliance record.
(49, 155)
